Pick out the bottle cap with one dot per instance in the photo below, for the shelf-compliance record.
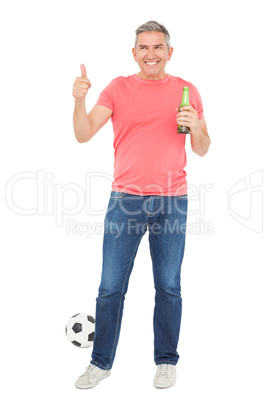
(186, 88)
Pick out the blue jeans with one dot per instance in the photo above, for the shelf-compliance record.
(126, 221)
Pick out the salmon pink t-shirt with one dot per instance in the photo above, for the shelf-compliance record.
(149, 154)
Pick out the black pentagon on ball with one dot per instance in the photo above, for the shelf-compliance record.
(91, 337)
(77, 327)
(76, 343)
(91, 319)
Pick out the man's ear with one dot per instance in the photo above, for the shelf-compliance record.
(134, 53)
(170, 51)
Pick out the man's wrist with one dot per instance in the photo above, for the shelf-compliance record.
(79, 106)
(197, 132)
(79, 103)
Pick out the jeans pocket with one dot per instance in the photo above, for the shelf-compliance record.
(117, 194)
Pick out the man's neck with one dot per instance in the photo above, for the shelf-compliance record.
(151, 78)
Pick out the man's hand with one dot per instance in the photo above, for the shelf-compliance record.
(200, 140)
(81, 85)
(188, 117)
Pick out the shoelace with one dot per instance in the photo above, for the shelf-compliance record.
(163, 370)
(91, 371)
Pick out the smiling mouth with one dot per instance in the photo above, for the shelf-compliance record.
(151, 63)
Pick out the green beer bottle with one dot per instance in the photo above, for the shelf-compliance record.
(184, 102)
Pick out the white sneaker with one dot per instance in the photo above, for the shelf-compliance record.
(91, 377)
(165, 376)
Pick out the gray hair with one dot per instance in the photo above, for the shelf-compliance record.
(153, 26)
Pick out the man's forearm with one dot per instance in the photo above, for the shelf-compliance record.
(81, 123)
(200, 143)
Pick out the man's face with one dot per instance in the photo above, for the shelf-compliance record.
(152, 55)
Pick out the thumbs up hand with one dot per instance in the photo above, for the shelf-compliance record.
(81, 85)
(83, 71)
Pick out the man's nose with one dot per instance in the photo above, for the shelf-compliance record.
(151, 54)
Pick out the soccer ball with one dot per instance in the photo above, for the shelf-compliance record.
(80, 330)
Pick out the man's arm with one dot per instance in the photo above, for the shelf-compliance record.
(200, 140)
(87, 125)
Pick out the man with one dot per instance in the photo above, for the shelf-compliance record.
(149, 191)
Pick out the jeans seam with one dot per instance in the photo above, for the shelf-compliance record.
(118, 197)
(153, 212)
(117, 324)
(98, 364)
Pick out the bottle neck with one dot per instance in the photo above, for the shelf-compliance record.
(185, 97)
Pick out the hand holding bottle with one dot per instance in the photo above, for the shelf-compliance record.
(187, 116)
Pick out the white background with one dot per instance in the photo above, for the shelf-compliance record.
(48, 274)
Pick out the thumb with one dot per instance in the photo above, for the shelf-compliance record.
(83, 71)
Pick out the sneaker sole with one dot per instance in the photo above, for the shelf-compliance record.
(91, 385)
(163, 386)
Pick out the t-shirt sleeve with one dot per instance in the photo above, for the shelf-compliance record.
(196, 101)
(106, 97)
